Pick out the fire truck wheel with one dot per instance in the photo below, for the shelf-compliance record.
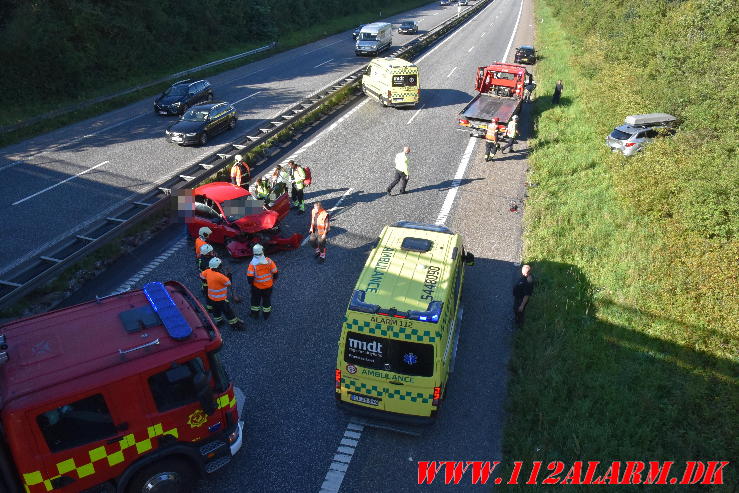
(167, 476)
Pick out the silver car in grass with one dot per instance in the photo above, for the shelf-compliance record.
(638, 131)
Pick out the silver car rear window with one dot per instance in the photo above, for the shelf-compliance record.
(618, 134)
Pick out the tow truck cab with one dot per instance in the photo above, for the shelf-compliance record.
(123, 394)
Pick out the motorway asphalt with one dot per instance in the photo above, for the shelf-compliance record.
(123, 153)
(286, 365)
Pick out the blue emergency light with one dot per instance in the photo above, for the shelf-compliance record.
(172, 319)
(431, 314)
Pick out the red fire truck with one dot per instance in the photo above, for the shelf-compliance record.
(123, 394)
(500, 89)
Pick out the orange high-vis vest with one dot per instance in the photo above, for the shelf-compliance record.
(217, 284)
(236, 174)
(198, 243)
(492, 132)
(319, 222)
(263, 274)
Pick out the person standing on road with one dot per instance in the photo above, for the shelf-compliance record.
(240, 172)
(558, 88)
(261, 274)
(511, 132)
(218, 285)
(401, 170)
(203, 261)
(202, 239)
(298, 185)
(319, 227)
(491, 140)
(522, 291)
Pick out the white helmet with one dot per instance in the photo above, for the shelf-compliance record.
(205, 231)
(237, 157)
(515, 117)
(257, 249)
(205, 249)
(214, 263)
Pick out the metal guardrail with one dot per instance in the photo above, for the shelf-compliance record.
(34, 272)
(101, 99)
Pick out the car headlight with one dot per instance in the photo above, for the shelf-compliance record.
(191, 135)
(167, 132)
(178, 103)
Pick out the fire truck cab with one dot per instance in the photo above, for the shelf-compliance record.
(123, 394)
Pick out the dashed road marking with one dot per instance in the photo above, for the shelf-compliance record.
(126, 286)
(324, 63)
(60, 183)
(450, 73)
(483, 35)
(247, 97)
(415, 114)
(472, 48)
(342, 458)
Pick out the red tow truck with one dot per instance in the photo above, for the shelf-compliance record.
(124, 394)
(500, 88)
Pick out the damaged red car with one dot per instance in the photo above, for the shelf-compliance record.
(238, 219)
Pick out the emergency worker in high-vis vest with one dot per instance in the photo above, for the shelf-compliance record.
(218, 285)
(261, 275)
(202, 239)
(203, 261)
(319, 226)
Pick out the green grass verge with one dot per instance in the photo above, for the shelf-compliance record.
(618, 360)
(27, 109)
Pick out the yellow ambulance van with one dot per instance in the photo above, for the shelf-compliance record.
(392, 81)
(399, 336)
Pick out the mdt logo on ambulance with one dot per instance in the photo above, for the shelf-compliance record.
(373, 347)
(399, 339)
(124, 394)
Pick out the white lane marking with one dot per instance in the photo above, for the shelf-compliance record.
(247, 75)
(513, 35)
(60, 183)
(342, 458)
(242, 99)
(446, 208)
(322, 47)
(126, 286)
(72, 141)
(450, 73)
(472, 48)
(415, 114)
(450, 36)
(341, 199)
(435, 13)
(483, 35)
(324, 63)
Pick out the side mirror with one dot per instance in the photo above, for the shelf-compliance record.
(469, 259)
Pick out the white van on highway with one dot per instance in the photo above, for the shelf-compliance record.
(373, 38)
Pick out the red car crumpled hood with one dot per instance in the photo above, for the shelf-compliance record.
(255, 223)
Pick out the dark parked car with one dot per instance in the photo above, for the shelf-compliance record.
(201, 122)
(355, 33)
(181, 95)
(525, 54)
(408, 27)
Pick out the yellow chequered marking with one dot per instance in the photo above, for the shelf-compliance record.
(226, 401)
(99, 453)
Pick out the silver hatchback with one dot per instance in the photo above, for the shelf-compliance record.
(638, 131)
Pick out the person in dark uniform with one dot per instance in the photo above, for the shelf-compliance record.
(558, 88)
(522, 291)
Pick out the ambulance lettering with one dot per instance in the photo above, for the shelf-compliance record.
(387, 376)
(429, 283)
(379, 271)
(392, 321)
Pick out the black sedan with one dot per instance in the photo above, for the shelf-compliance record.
(408, 27)
(201, 122)
(181, 95)
(525, 54)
